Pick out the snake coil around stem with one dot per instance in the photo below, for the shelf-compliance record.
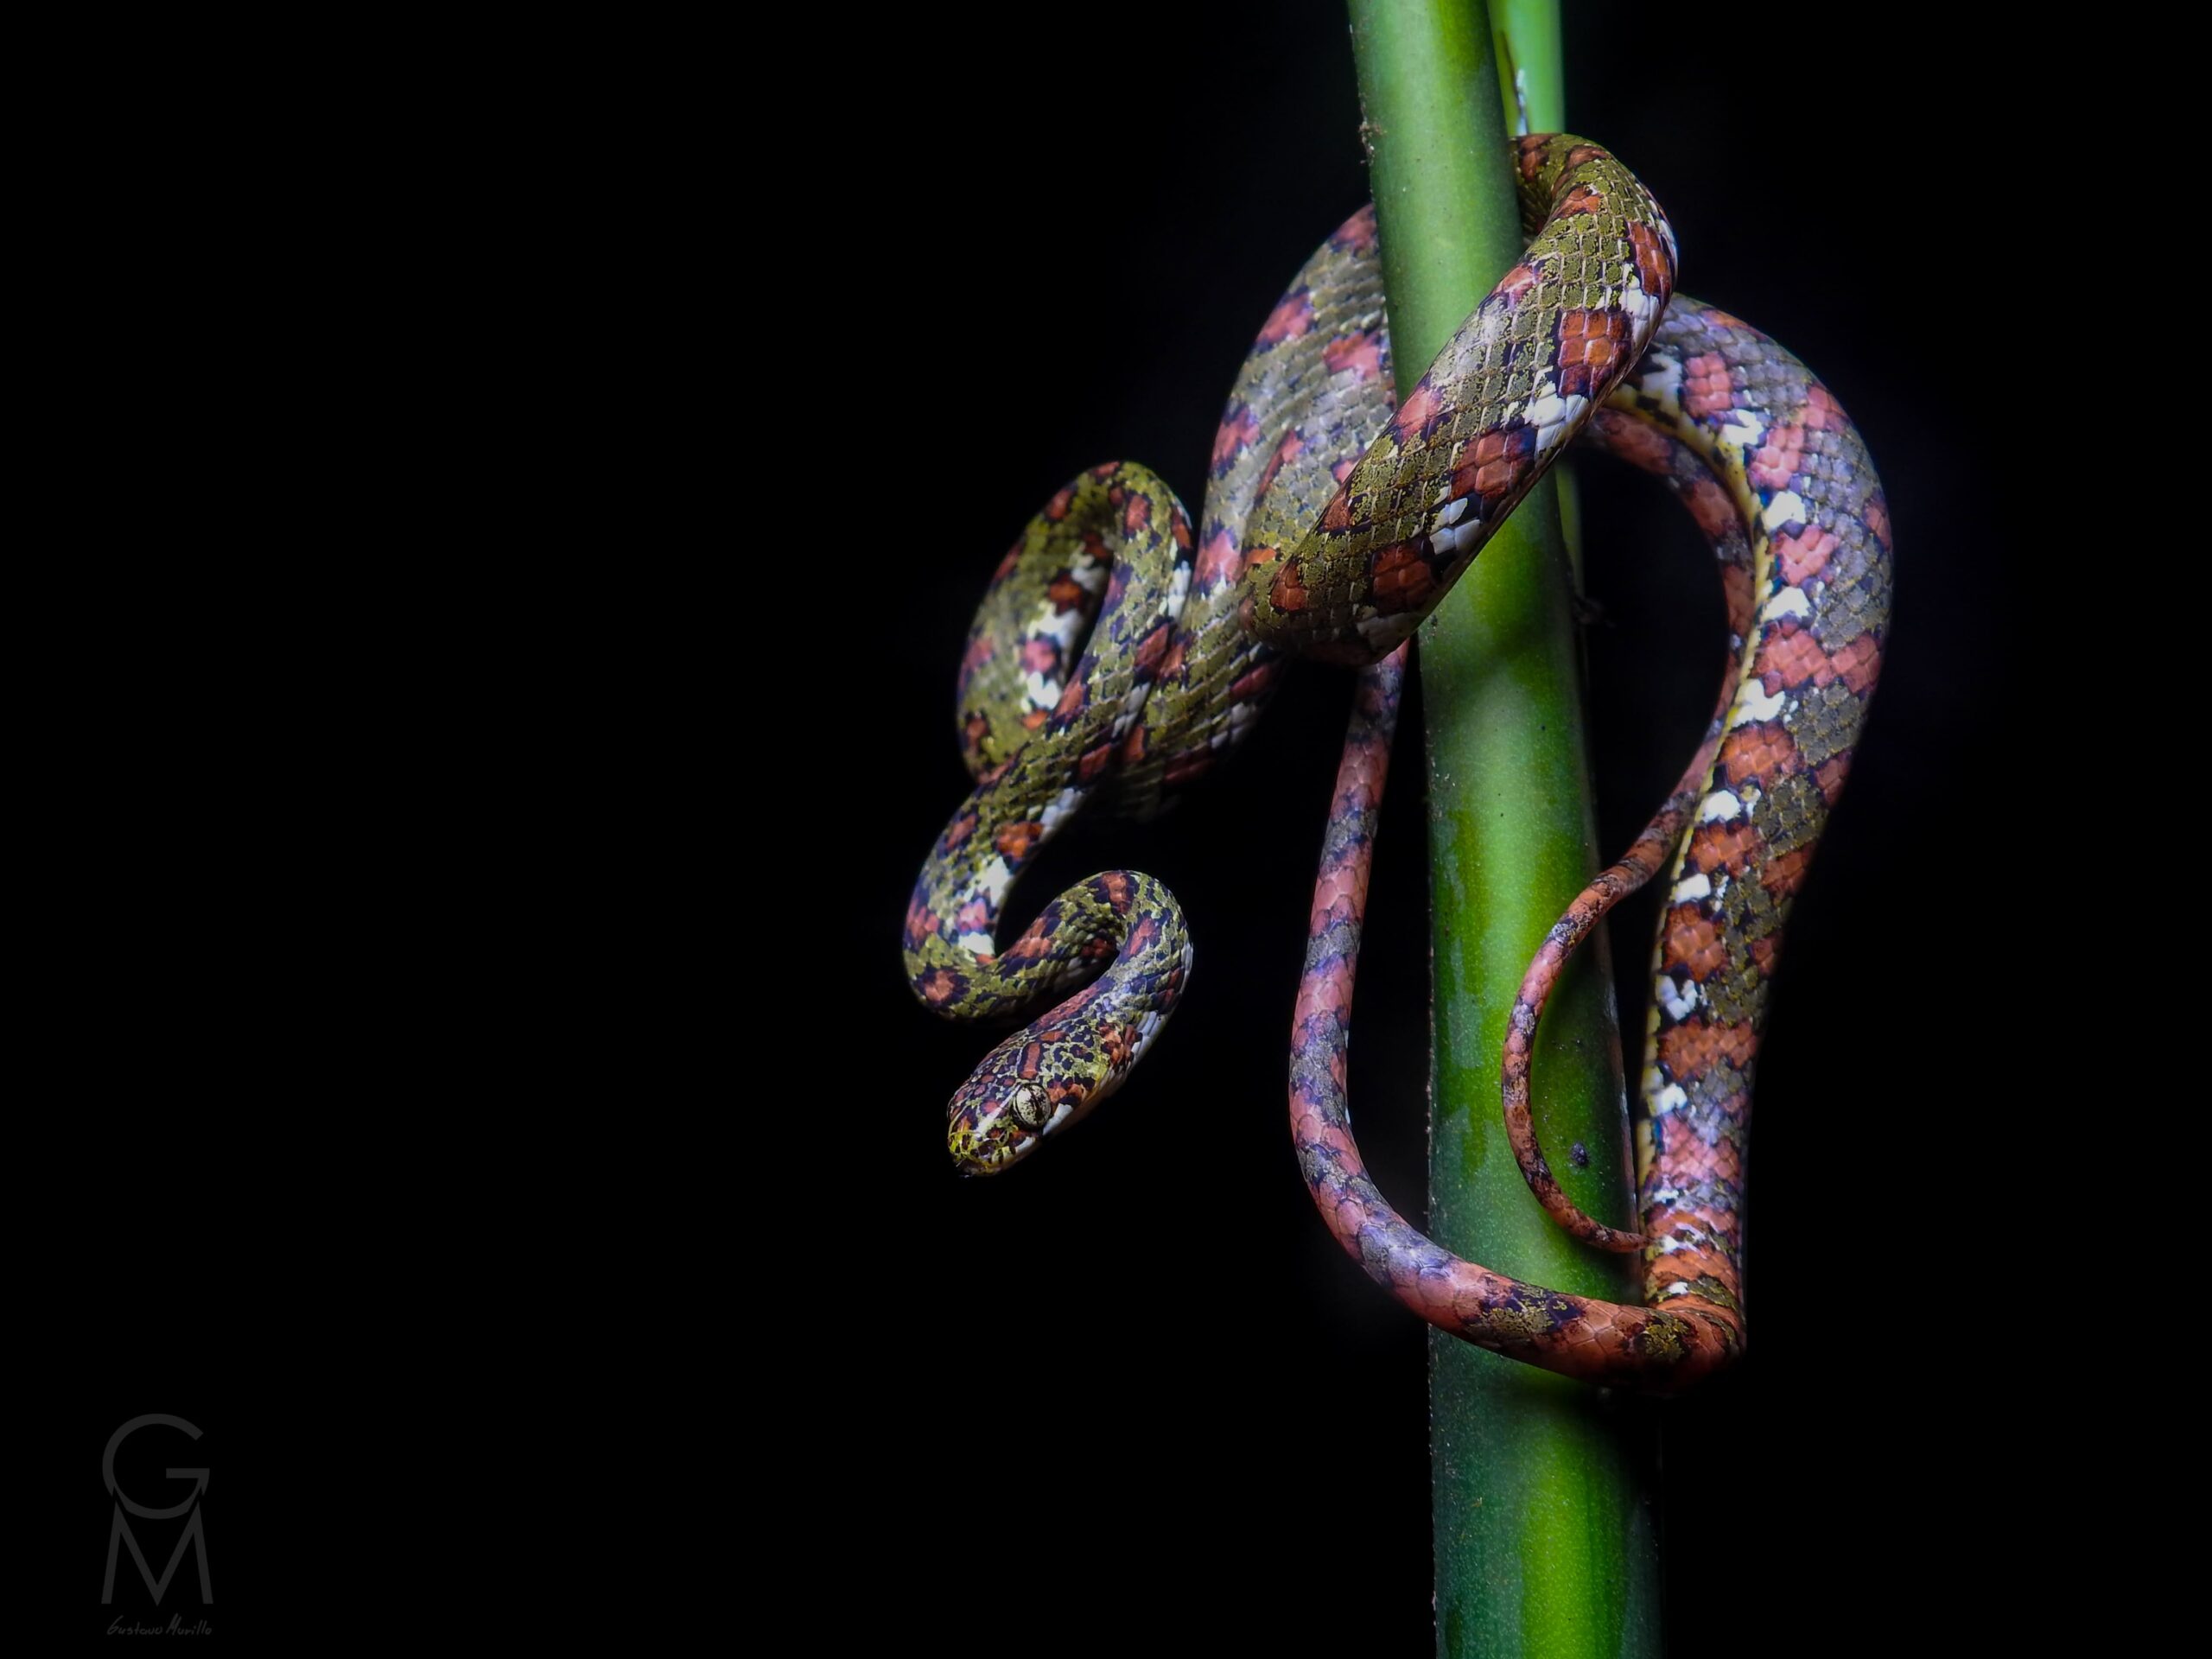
(1335, 521)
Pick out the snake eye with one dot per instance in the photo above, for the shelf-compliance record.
(1031, 1106)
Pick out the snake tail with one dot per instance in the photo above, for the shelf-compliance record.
(1781, 482)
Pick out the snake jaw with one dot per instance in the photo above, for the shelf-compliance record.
(960, 1140)
(985, 1137)
(982, 1145)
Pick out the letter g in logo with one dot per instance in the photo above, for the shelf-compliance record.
(107, 1469)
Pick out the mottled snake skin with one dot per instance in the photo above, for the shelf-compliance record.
(1782, 486)
(1319, 542)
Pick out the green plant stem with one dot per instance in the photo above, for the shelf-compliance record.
(1545, 1530)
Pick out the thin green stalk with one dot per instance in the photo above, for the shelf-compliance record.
(1545, 1528)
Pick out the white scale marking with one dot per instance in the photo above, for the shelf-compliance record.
(995, 878)
(1786, 508)
(1549, 438)
(1744, 431)
(1059, 807)
(1378, 630)
(1790, 602)
(1178, 590)
(1751, 707)
(1660, 379)
(1550, 415)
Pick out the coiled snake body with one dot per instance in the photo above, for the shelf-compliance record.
(1321, 538)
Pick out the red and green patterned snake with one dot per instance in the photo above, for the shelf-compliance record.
(1323, 539)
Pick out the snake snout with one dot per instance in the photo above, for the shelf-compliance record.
(980, 1145)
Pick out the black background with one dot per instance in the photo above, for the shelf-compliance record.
(556, 477)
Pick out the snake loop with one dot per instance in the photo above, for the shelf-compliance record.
(1107, 562)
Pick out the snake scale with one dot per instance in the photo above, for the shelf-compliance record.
(1118, 655)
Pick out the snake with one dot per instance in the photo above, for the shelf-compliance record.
(1120, 654)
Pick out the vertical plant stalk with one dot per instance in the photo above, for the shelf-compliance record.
(1544, 1513)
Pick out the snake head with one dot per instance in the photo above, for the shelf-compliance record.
(998, 1116)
